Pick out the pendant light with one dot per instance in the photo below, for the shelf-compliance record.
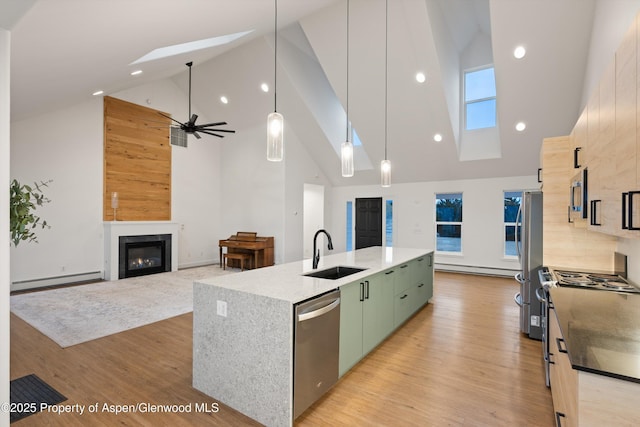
(385, 165)
(347, 146)
(275, 121)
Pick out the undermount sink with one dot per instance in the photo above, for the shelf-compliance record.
(334, 273)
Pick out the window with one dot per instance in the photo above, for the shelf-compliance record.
(388, 223)
(480, 99)
(349, 226)
(511, 226)
(449, 222)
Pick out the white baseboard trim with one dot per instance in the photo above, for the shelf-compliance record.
(469, 269)
(22, 285)
(200, 263)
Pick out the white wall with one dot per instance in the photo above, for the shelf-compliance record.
(64, 146)
(5, 49)
(414, 217)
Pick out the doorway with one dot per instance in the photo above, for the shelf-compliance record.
(368, 222)
(313, 216)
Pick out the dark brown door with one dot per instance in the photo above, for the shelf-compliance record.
(368, 222)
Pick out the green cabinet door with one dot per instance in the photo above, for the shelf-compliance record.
(424, 280)
(403, 277)
(377, 314)
(351, 298)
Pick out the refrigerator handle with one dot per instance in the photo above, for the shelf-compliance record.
(518, 218)
(518, 299)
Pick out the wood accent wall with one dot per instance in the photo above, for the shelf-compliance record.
(137, 162)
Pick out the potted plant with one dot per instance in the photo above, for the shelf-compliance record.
(22, 205)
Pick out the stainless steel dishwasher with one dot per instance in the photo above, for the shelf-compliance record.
(316, 349)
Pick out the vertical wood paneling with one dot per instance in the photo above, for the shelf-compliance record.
(137, 162)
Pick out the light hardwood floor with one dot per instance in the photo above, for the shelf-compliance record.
(460, 361)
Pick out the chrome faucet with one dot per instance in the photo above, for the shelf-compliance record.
(316, 256)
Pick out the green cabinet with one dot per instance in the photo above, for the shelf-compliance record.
(423, 280)
(373, 307)
(366, 316)
(351, 298)
(377, 310)
(414, 288)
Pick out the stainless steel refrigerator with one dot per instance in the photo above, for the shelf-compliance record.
(529, 248)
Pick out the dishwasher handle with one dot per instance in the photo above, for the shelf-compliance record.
(319, 312)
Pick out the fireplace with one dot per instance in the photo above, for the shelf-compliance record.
(142, 255)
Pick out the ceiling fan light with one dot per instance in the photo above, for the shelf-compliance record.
(385, 173)
(275, 137)
(347, 159)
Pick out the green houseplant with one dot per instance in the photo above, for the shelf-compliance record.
(22, 205)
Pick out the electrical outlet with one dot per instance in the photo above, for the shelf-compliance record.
(221, 308)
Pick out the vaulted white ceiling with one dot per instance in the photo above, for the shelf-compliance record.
(64, 50)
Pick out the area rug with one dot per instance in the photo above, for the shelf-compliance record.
(77, 314)
(29, 394)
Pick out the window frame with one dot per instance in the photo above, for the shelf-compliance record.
(453, 223)
(466, 102)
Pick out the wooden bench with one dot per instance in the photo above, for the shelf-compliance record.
(242, 257)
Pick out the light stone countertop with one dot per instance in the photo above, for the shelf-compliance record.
(286, 281)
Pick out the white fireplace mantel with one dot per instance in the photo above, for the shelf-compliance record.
(114, 229)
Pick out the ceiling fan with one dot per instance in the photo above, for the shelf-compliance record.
(191, 126)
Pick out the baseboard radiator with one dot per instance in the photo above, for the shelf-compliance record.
(470, 269)
(21, 285)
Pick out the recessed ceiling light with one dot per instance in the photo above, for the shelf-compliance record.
(420, 77)
(519, 52)
(98, 92)
(437, 137)
(224, 99)
(264, 87)
(520, 126)
(136, 72)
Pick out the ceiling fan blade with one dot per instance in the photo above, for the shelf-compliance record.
(196, 135)
(206, 125)
(170, 118)
(217, 130)
(193, 118)
(211, 133)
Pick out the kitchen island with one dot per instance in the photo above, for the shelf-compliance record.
(243, 325)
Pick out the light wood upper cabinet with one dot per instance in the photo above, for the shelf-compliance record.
(564, 244)
(625, 117)
(613, 142)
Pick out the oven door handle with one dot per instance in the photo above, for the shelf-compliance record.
(540, 294)
(519, 278)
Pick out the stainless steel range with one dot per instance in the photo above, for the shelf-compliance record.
(598, 281)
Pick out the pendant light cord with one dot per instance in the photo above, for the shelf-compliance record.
(275, 60)
(347, 139)
(386, 72)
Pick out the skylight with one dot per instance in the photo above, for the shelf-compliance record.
(178, 49)
(480, 99)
